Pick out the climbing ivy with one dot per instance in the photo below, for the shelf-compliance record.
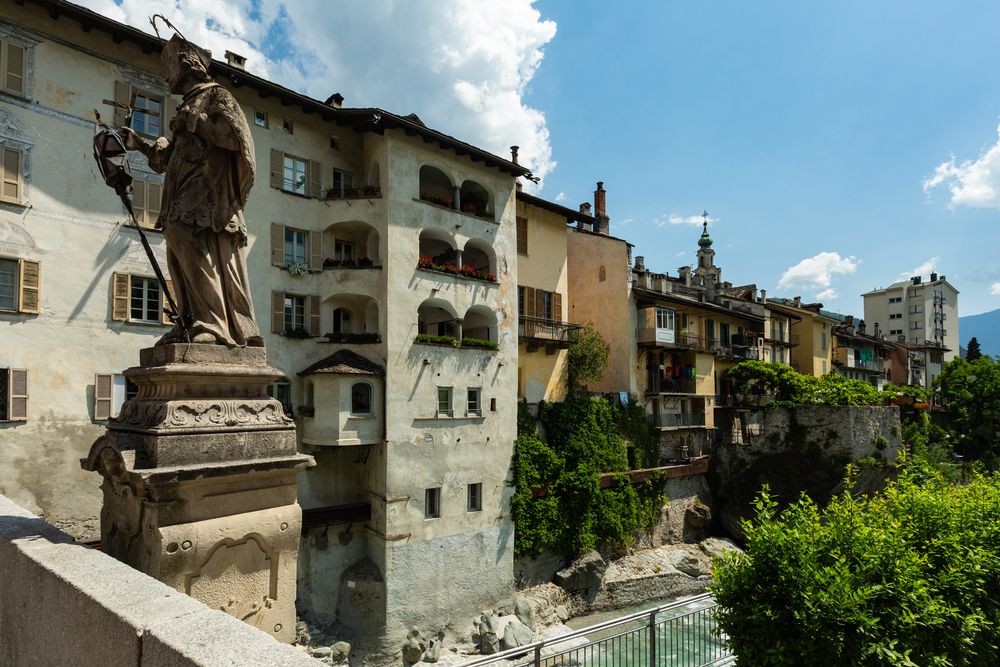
(752, 380)
(558, 502)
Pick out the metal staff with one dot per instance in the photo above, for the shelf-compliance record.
(112, 159)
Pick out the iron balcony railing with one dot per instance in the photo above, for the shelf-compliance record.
(665, 636)
(539, 328)
(662, 385)
(873, 365)
(674, 420)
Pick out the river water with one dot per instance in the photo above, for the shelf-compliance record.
(683, 638)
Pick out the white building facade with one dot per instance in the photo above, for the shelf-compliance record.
(924, 312)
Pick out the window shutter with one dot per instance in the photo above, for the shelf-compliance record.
(165, 303)
(277, 168)
(277, 244)
(123, 96)
(103, 393)
(12, 168)
(529, 302)
(540, 303)
(522, 236)
(153, 193)
(17, 395)
(31, 273)
(15, 74)
(313, 305)
(139, 201)
(315, 178)
(120, 297)
(557, 307)
(278, 312)
(315, 251)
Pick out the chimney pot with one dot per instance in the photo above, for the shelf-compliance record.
(933, 277)
(236, 60)
(585, 208)
(640, 263)
(336, 101)
(513, 154)
(798, 301)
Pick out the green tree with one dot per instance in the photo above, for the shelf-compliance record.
(752, 380)
(969, 392)
(907, 577)
(972, 352)
(587, 359)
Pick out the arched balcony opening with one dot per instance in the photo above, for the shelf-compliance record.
(479, 324)
(436, 319)
(351, 244)
(478, 258)
(475, 199)
(436, 187)
(437, 248)
(350, 318)
(375, 176)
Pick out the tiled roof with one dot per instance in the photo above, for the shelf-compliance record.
(344, 362)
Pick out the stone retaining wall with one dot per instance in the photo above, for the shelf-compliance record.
(65, 604)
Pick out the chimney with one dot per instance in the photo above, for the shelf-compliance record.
(849, 320)
(933, 277)
(861, 326)
(600, 210)
(684, 272)
(336, 101)
(640, 263)
(585, 208)
(513, 158)
(915, 280)
(763, 296)
(236, 60)
(798, 301)
(876, 330)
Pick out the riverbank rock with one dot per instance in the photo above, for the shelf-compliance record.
(413, 647)
(584, 574)
(516, 634)
(716, 546)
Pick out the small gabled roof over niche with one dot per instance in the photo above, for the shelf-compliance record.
(344, 362)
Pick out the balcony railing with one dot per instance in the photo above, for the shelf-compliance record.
(360, 263)
(663, 385)
(674, 420)
(674, 339)
(545, 330)
(877, 365)
(365, 192)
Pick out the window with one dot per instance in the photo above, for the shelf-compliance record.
(432, 503)
(295, 246)
(11, 175)
(260, 118)
(474, 407)
(294, 179)
(475, 497)
(147, 123)
(822, 342)
(895, 332)
(138, 299)
(361, 398)
(13, 68)
(539, 303)
(281, 391)
(342, 182)
(20, 282)
(13, 394)
(110, 393)
(444, 408)
(916, 309)
(665, 318)
(144, 300)
(287, 126)
(895, 316)
(823, 366)
(9, 272)
(146, 202)
(343, 250)
(295, 313)
(341, 321)
(916, 325)
(895, 299)
(522, 236)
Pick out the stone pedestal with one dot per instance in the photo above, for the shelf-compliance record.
(200, 482)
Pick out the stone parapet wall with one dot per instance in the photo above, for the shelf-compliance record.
(106, 613)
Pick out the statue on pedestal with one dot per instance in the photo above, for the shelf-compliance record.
(208, 168)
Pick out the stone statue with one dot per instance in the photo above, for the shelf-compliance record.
(208, 168)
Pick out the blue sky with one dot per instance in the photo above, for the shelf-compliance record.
(836, 146)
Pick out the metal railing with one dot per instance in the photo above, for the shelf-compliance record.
(663, 385)
(539, 328)
(666, 636)
(669, 419)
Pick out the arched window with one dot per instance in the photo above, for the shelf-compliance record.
(436, 187)
(475, 199)
(361, 398)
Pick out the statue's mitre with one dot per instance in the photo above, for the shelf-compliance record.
(177, 46)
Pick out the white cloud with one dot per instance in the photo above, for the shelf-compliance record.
(995, 289)
(828, 294)
(920, 270)
(561, 196)
(463, 66)
(973, 182)
(816, 273)
(674, 219)
(625, 221)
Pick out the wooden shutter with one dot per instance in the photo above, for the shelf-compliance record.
(12, 168)
(557, 307)
(540, 303)
(529, 302)
(315, 179)
(312, 303)
(315, 251)
(30, 286)
(277, 169)
(278, 312)
(103, 396)
(154, 192)
(123, 95)
(165, 303)
(522, 236)
(17, 395)
(15, 69)
(139, 201)
(277, 244)
(120, 297)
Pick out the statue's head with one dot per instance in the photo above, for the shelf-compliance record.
(185, 62)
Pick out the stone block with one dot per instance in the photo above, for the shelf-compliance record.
(193, 353)
(585, 573)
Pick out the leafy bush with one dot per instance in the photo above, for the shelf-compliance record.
(753, 380)
(907, 577)
(587, 359)
(479, 342)
(437, 340)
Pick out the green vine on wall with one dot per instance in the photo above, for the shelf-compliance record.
(558, 502)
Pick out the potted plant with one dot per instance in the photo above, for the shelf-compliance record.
(297, 268)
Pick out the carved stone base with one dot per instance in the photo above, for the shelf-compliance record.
(200, 477)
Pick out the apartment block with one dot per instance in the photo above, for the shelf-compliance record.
(924, 312)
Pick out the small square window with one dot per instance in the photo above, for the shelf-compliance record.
(444, 408)
(475, 497)
(146, 117)
(474, 407)
(287, 126)
(260, 118)
(432, 503)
